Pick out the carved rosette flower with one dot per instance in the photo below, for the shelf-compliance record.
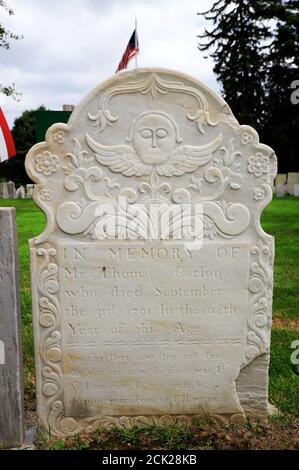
(259, 194)
(46, 163)
(246, 138)
(59, 137)
(258, 164)
(46, 194)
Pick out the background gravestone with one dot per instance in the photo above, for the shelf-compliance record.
(11, 367)
(7, 190)
(137, 331)
(280, 190)
(29, 190)
(293, 178)
(2, 188)
(11, 190)
(20, 193)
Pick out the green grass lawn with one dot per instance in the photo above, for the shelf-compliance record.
(280, 219)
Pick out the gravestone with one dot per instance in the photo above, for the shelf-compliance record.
(280, 190)
(7, 190)
(29, 190)
(296, 190)
(2, 186)
(20, 193)
(11, 367)
(11, 190)
(280, 179)
(293, 178)
(139, 320)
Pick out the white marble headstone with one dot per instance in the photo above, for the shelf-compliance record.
(296, 190)
(293, 178)
(131, 329)
(280, 190)
(20, 193)
(29, 189)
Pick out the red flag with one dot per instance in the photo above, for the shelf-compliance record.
(131, 51)
(7, 146)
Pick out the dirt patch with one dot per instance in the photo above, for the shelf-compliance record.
(288, 323)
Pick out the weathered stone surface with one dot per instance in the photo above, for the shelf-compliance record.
(29, 190)
(293, 178)
(11, 367)
(296, 190)
(20, 193)
(136, 330)
(280, 179)
(280, 190)
(11, 190)
(2, 190)
(7, 190)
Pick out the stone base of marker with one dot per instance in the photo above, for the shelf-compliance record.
(11, 366)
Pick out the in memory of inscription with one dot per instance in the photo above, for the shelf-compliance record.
(152, 281)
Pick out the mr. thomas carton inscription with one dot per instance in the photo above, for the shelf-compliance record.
(139, 317)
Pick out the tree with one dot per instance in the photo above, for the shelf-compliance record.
(255, 46)
(280, 128)
(5, 37)
(24, 135)
(237, 41)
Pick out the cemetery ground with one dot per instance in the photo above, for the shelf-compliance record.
(280, 431)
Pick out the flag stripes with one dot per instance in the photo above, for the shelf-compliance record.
(7, 146)
(131, 51)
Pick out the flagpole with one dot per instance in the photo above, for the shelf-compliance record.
(136, 42)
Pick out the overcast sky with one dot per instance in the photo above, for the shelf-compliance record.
(70, 46)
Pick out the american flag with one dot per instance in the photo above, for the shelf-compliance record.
(131, 51)
(7, 146)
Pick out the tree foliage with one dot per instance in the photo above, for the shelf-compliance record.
(281, 123)
(24, 135)
(5, 37)
(254, 44)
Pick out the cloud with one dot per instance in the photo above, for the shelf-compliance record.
(70, 46)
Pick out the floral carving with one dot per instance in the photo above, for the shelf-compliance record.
(49, 321)
(246, 138)
(78, 176)
(153, 85)
(259, 194)
(258, 165)
(62, 426)
(110, 184)
(46, 194)
(46, 163)
(258, 320)
(59, 137)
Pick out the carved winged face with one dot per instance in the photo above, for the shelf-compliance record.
(154, 138)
